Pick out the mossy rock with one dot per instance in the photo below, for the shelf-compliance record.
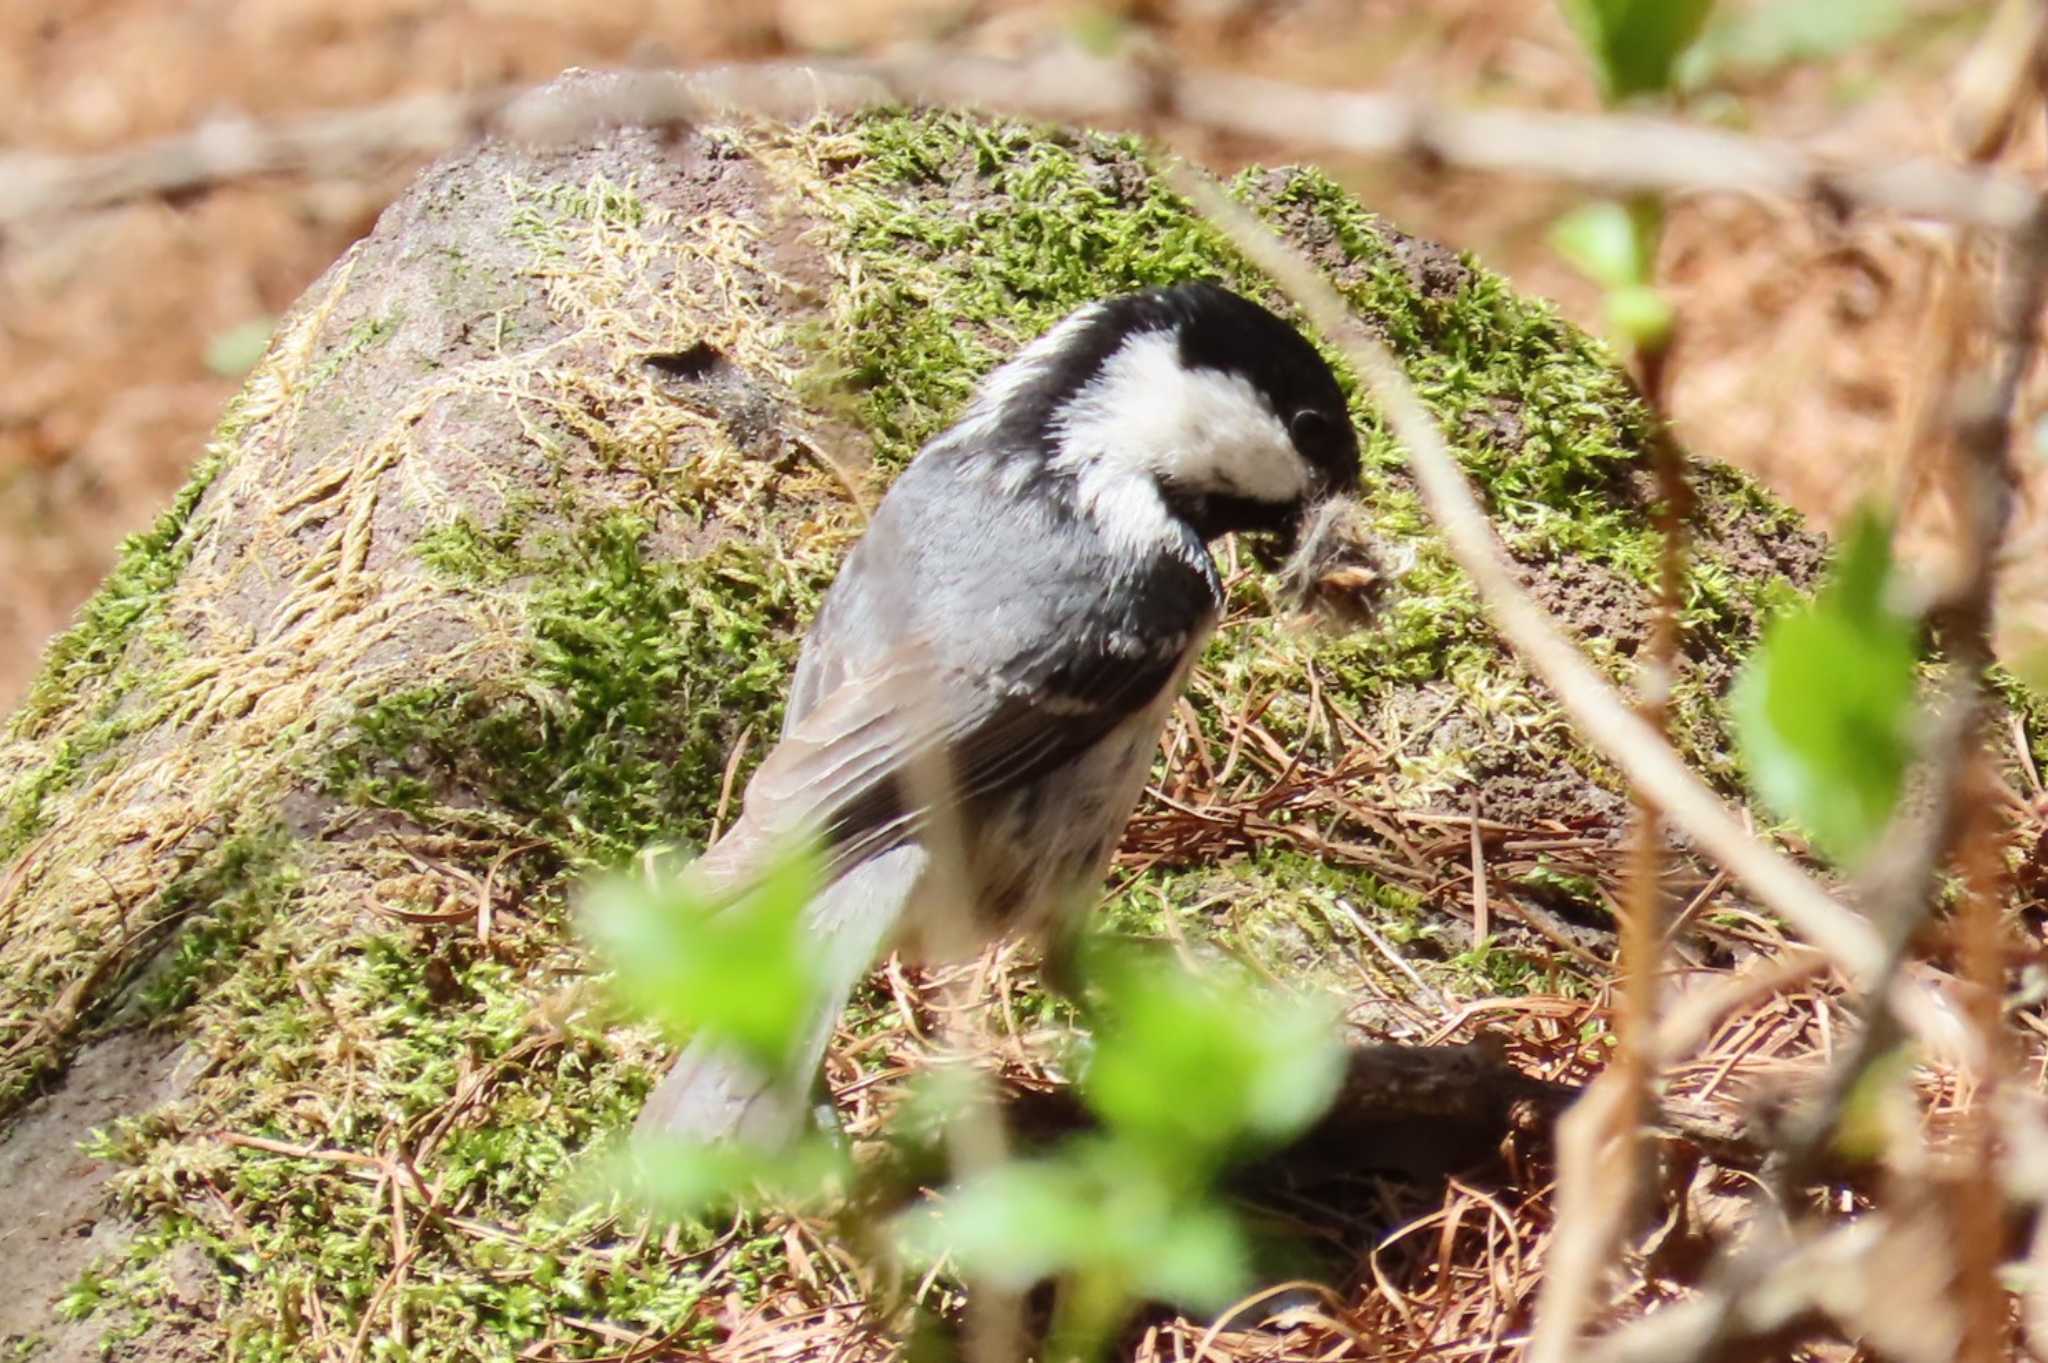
(505, 551)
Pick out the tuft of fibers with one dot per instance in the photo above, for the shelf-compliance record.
(1339, 572)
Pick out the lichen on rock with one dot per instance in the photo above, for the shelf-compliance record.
(495, 573)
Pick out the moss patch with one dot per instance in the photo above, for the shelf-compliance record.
(641, 675)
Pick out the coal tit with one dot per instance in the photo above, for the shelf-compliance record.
(1021, 615)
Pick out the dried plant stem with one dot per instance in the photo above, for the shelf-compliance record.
(1642, 943)
(1642, 940)
(1599, 711)
(1981, 485)
(976, 1142)
(1904, 883)
(1614, 152)
(1873, 959)
(1902, 894)
(1978, 1211)
(1986, 490)
(1592, 1204)
(1603, 1144)
(1956, 824)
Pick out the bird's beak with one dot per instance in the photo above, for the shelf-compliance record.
(1283, 540)
(1332, 563)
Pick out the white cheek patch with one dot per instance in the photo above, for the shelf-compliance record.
(1199, 429)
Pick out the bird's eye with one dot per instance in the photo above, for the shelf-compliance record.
(1310, 428)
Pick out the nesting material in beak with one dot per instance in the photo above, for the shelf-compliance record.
(1339, 571)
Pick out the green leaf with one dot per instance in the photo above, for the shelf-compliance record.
(1865, 1128)
(1186, 1072)
(1195, 1069)
(1758, 41)
(1640, 316)
(678, 1180)
(1636, 44)
(1604, 242)
(690, 962)
(2027, 655)
(234, 352)
(934, 1100)
(1825, 709)
(1100, 30)
(1615, 246)
(1098, 1209)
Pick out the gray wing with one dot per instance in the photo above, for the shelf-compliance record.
(989, 631)
(844, 772)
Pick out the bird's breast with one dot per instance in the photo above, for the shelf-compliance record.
(1040, 851)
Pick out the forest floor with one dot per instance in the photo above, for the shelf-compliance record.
(1805, 346)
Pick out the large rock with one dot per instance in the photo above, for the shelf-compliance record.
(504, 552)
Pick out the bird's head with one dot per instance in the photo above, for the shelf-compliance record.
(1191, 390)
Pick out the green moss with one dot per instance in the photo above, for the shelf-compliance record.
(1494, 970)
(465, 551)
(443, 1065)
(22, 814)
(86, 670)
(148, 565)
(218, 909)
(364, 335)
(1546, 422)
(642, 672)
(211, 908)
(1294, 916)
(946, 293)
(547, 206)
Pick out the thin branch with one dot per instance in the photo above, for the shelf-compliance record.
(1983, 414)
(1765, 1301)
(1606, 151)
(1903, 894)
(1612, 152)
(1603, 1146)
(34, 184)
(1596, 1135)
(1904, 887)
(1602, 715)
(1977, 1212)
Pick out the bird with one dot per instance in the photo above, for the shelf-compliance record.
(978, 703)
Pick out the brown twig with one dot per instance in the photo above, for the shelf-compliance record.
(1482, 925)
(1602, 1151)
(1903, 884)
(1612, 152)
(1978, 1212)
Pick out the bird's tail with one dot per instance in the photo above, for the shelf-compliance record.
(715, 1094)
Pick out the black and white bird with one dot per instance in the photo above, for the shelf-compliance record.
(1019, 618)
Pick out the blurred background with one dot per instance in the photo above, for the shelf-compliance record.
(1803, 341)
